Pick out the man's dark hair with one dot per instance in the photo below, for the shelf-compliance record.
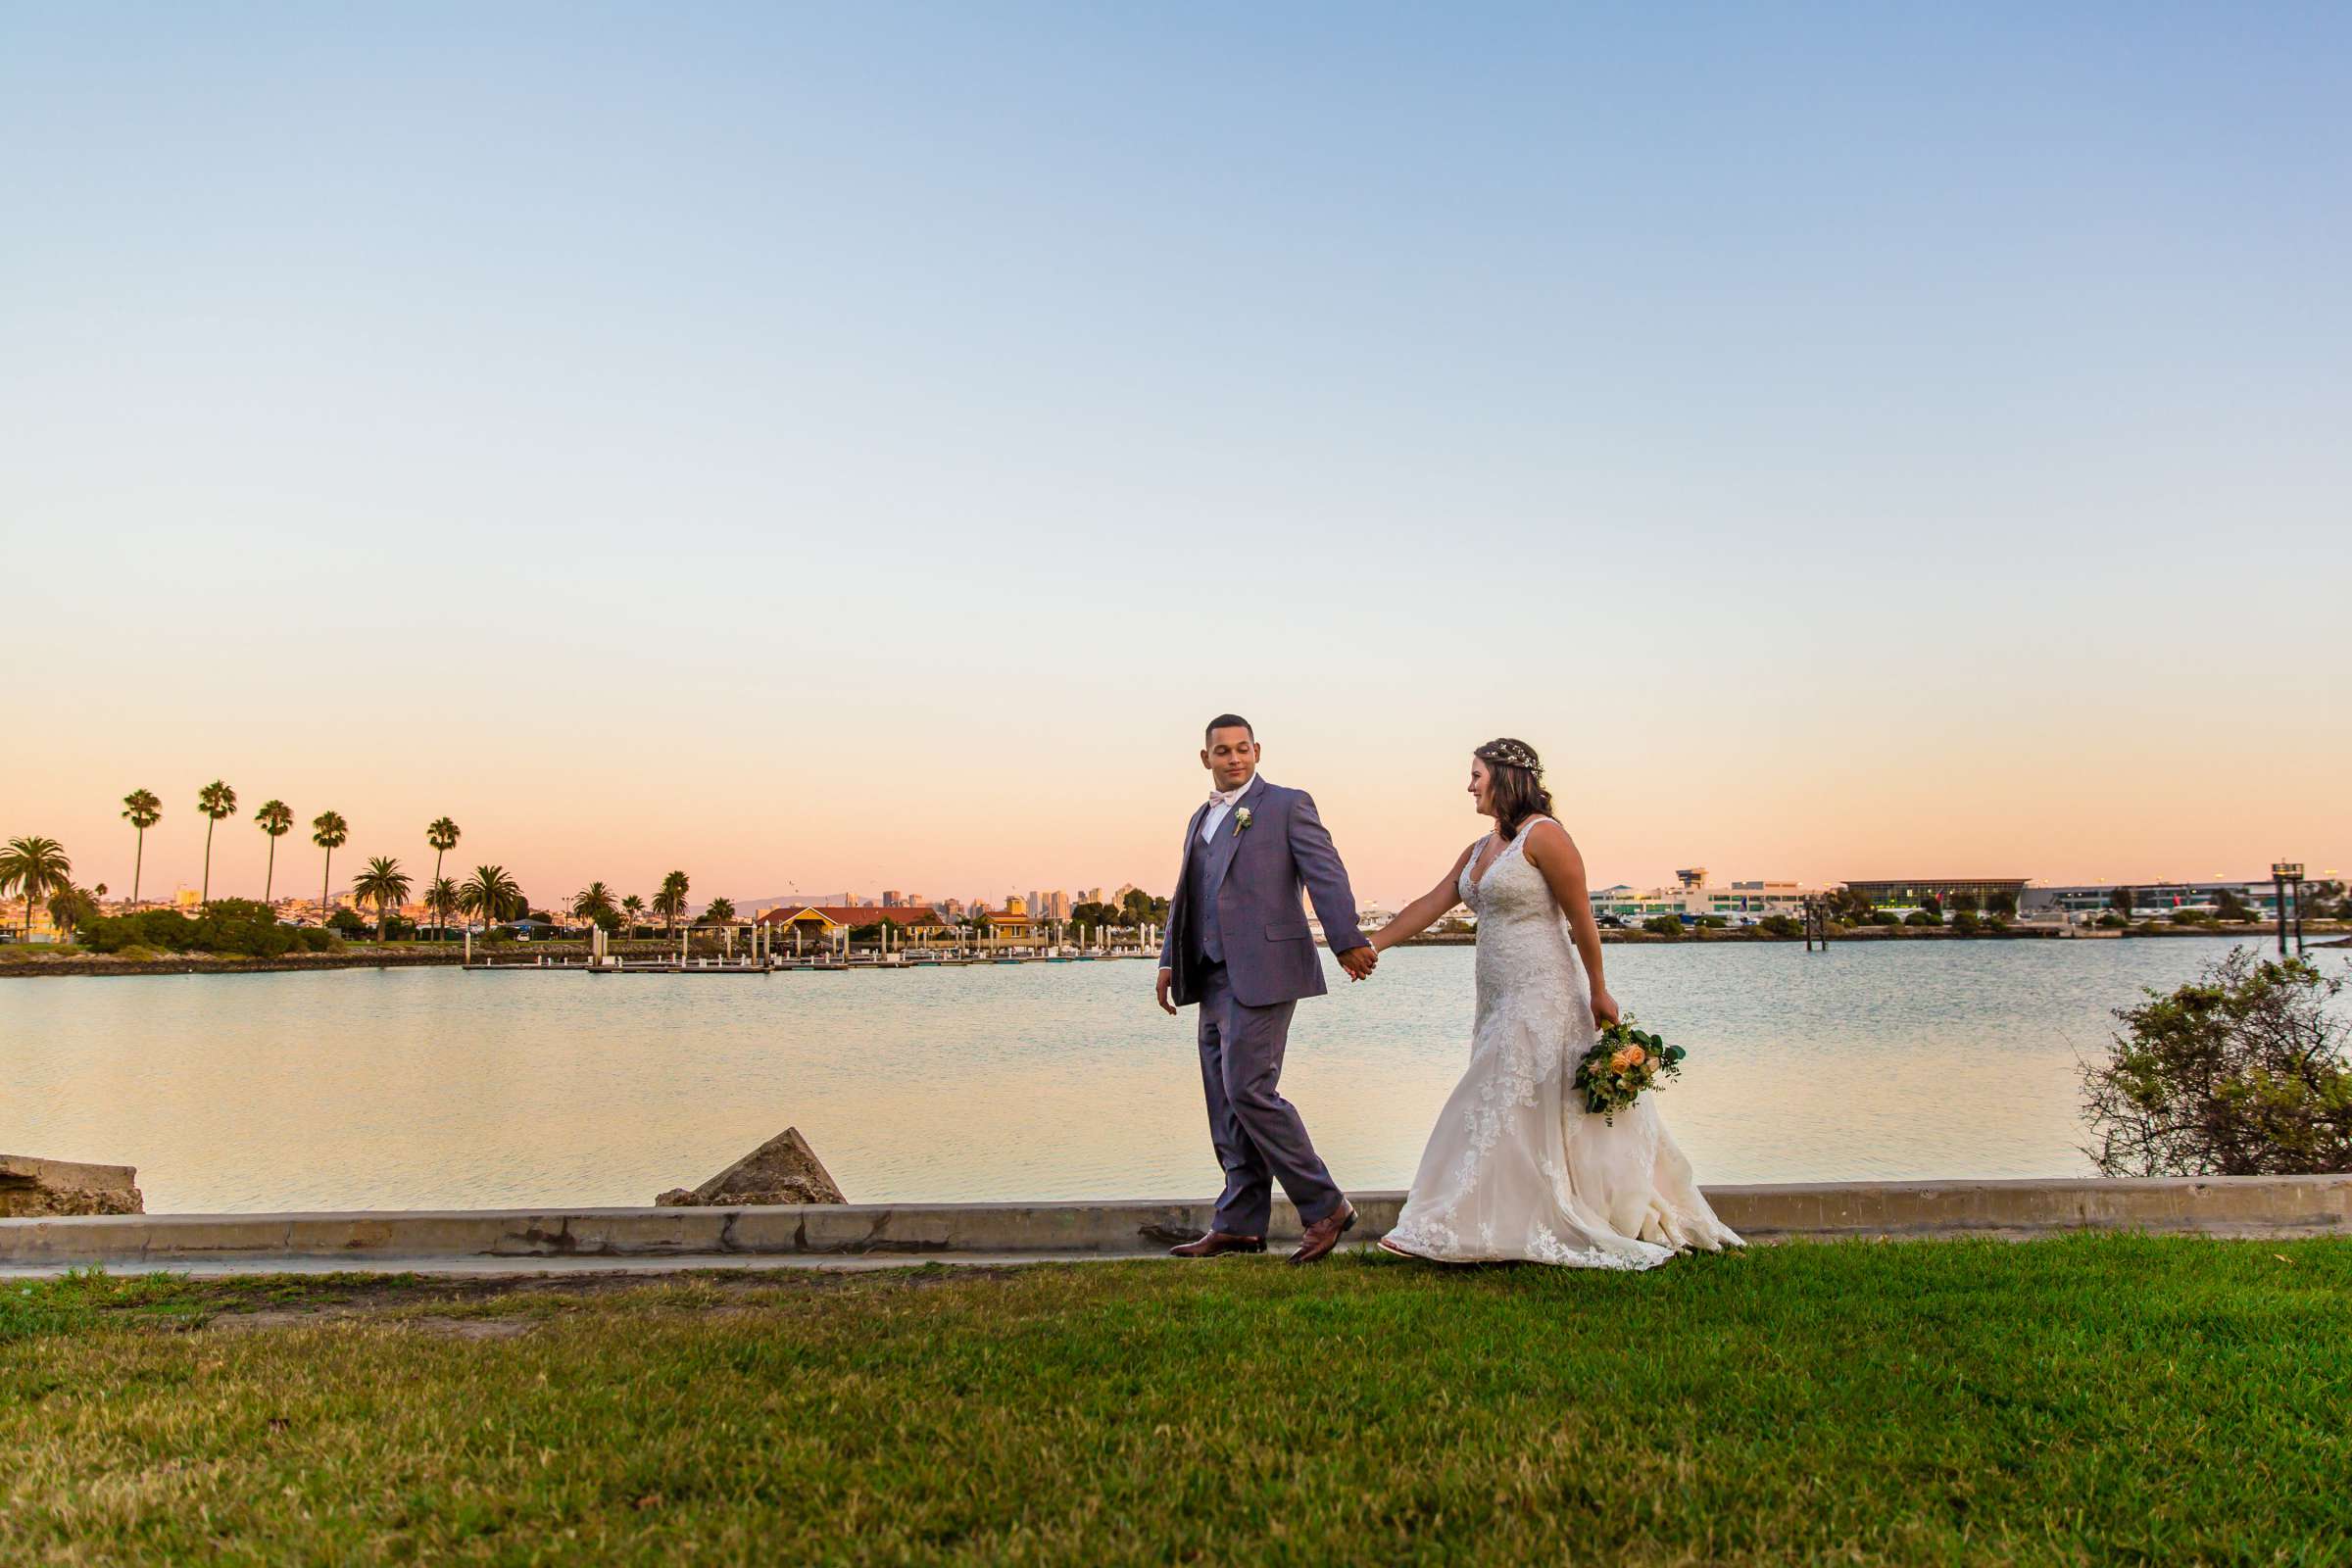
(1226, 721)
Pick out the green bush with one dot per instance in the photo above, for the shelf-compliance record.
(2191, 917)
(1885, 918)
(343, 922)
(1712, 922)
(1922, 917)
(2112, 922)
(232, 927)
(1663, 925)
(2241, 1072)
(1966, 923)
(1781, 925)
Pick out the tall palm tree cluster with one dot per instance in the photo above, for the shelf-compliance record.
(37, 870)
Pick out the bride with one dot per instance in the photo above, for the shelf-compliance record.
(1516, 1167)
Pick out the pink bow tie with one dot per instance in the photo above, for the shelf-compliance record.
(1222, 798)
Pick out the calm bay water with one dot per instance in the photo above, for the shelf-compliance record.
(400, 1088)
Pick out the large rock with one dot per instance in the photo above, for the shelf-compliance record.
(30, 1187)
(782, 1171)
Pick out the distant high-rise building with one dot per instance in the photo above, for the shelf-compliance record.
(1057, 905)
(891, 898)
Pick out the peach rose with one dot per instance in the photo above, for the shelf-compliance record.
(1629, 1058)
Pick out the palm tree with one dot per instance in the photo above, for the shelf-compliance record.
(443, 897)
(442, 835)
(594, 903)
(491, 893)
(34, 867)
(330, 832)
(670, 902)
(216, 800)
(386, 886)
(142, 810)
(632, 906)
(720, 912)
(71, 907)
(276, 818)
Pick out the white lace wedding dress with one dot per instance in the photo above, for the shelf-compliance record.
(1516, 1167)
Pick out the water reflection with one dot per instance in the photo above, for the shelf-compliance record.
(425, 1089)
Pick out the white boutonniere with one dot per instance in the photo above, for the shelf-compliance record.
(1241, 819)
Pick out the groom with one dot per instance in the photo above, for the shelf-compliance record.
(1238, 944)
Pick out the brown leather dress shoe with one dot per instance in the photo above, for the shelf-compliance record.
(1317, 1240)
(1216, 1241)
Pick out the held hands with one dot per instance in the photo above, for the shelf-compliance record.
(1167, 976)
(1360, 962)
(1604, 1010)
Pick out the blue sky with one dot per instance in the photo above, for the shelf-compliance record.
(1835, 437)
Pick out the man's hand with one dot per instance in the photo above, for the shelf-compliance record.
(1167, 978)
(1360, 962)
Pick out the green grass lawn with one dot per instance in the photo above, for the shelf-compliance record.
(2090, 1399)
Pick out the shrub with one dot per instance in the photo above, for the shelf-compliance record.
(1663, 925)
(1712, 922)
(239, 927)
(1922, 917)
(1781, 925)
(2241, 1072)
(2112, 922)
(344, 923)
(2002, 903)
(2191, 917)
(1931, 905)
(1966, 923)
(1885, 918)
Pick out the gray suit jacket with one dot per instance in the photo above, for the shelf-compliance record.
(1254, 874)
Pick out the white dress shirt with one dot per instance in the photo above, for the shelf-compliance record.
(1220, 806)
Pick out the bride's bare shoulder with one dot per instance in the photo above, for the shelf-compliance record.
(1547, 835)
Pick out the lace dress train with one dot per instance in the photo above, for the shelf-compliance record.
(1516, 1168)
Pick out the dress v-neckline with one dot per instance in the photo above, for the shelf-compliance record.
(1478, 878)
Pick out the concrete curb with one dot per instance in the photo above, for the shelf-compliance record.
(2211, 1205)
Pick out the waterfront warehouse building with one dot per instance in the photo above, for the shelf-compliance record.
(1909, 893)
(2094, 899)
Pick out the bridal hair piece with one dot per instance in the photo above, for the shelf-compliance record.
(1511, 754)
(1517, 775)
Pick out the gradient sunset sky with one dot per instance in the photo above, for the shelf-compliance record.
(858, 446)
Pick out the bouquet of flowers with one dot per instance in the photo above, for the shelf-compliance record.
(1624, 1061)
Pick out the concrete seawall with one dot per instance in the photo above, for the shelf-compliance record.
(2211, 1205)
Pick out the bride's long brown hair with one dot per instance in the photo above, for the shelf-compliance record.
(1515, 775)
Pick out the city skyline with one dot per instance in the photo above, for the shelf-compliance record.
(226, 873)
(797, 447)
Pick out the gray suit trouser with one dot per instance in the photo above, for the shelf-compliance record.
(1258, 1135)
